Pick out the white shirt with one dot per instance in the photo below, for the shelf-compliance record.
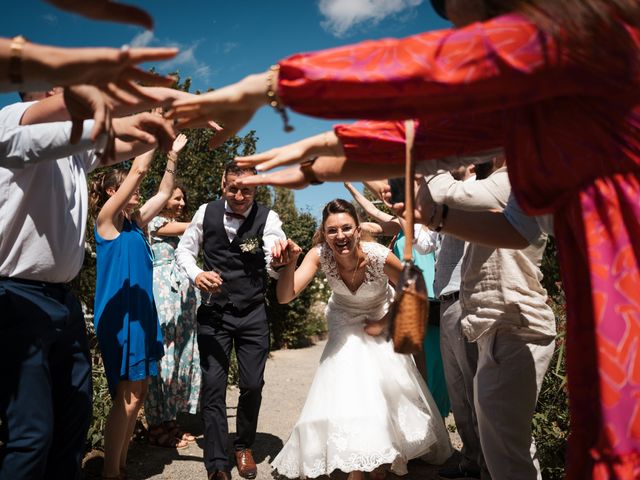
(43, 207)
(191, 241)
(500, 287)
(26, 145)
(424, 240)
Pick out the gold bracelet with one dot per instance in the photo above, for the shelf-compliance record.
(15, 59)
(272, 98)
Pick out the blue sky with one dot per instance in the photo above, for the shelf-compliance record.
(222, 41)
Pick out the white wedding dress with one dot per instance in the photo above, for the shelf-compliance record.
(367, 405)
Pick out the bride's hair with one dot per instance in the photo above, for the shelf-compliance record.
(336, 206)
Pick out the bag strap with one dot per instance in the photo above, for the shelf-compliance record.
(410, 170)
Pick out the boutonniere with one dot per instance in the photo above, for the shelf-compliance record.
(250, 245)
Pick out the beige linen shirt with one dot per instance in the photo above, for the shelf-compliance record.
(500, 287)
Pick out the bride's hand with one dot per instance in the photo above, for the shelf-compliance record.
(324, 144)
(376, 327)
(284, 252)
(232, 106)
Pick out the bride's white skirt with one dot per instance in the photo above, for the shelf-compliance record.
(367, 406)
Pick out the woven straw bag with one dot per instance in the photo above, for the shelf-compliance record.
(410, 308)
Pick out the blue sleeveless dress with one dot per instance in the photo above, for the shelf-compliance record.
(125, 317)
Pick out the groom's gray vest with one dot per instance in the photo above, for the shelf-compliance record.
(244, 273)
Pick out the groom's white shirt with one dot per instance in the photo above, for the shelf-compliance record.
(191, 241)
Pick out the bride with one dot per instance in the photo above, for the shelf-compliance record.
(367, 407)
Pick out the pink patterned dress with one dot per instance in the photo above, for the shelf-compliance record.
(572, 138)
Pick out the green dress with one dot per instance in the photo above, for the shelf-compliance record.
(177, 386)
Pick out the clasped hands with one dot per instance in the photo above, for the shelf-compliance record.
(283, 253)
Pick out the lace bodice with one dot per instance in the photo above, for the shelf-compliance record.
(372, 298)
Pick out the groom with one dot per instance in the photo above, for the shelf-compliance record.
(242, 242)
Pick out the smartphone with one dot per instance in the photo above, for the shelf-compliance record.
(397, 189)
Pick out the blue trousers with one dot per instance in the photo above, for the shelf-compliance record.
(45, 386)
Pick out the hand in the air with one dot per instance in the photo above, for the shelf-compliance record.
(324, 144)
(284, 252)
(106, 10)
(291, 177)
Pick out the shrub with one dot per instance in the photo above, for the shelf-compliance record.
(551, 420)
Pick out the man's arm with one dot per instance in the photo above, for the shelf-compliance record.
(24, 146)
(272, 234)
(472, 196)
(189, 246)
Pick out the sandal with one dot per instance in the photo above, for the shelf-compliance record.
(174, 429)
(378, 473)
(158, 436)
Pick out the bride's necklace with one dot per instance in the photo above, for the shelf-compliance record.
(353, 274)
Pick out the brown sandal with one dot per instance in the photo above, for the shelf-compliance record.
(158, 436)
(378, 473)
(174, 429)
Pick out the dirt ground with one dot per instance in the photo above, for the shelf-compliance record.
(287, 379)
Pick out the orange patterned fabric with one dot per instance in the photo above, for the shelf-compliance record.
(572, 138)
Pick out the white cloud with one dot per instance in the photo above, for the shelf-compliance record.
(186, 60)
(341, 15)
(143, 39)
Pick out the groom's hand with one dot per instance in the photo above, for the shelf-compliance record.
(209, 282)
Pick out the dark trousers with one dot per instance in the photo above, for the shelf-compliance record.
(45, 382)
(218, 331)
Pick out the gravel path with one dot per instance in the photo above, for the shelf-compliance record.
(288, 376)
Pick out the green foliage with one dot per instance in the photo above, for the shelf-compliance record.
(551, 420)
(101, 397)
(293, 324)
(200, 170)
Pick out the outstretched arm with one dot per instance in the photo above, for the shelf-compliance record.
(155, 204)
(106, 10)
(292, 281)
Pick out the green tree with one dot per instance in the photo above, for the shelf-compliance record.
(292, 325)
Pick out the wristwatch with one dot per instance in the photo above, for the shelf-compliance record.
(306, 168)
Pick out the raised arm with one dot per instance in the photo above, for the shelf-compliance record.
(106, 10)
(109, 220)
(155, 204)
(293, 281)
(24, 146)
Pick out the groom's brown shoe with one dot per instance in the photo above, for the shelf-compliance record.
(246, 465)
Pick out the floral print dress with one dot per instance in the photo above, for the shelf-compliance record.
(177, 386)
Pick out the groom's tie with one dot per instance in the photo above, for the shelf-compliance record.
(235, 215)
